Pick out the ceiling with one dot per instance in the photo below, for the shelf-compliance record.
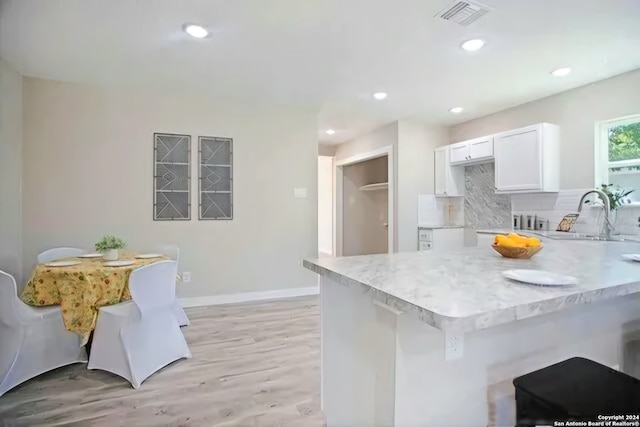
(328, 55)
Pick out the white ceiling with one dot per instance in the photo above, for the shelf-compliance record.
(328, 55)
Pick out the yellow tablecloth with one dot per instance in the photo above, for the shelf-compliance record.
(81, 289)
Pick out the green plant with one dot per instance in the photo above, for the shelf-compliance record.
(110, 242)
(624, 142)
(617, 196)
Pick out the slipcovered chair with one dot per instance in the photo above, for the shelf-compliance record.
(136, 338)
(33, 340)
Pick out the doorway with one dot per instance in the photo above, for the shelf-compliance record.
(364, 204)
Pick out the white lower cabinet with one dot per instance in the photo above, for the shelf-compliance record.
(424, 246)
(440, 238)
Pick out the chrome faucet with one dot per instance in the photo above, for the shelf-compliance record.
(606, 227)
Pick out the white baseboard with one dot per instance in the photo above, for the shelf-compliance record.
(248, 296)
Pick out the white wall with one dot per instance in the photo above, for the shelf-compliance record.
(88, 171)
(10, 171)
(415, 173)
(325, 205)
(576, 111)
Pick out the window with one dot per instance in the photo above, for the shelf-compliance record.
(619, 154)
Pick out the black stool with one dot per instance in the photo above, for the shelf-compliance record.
(576, 389)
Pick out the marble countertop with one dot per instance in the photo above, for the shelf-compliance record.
(551, 233)
(464, 290)
(498, 231)
(543, 233)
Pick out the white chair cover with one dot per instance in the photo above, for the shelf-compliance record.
(173, 252)
(59, 253)
(136, 338)
(32, 340)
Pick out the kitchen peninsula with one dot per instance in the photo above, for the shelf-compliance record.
(435, 338)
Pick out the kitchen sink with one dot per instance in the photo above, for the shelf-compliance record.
(587, 237)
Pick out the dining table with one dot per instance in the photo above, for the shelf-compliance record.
(82, 285)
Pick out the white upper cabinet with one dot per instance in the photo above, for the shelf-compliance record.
(470, 152)
(527, 160)
(449, 182)
(459, 152)
(481, 148)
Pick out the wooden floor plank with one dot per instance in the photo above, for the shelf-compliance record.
(253, 365)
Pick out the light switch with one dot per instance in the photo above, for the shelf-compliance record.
(300, 193)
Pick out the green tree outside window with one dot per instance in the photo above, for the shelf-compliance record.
(624, 142)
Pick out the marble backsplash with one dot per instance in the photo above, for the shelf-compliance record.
(483, 208)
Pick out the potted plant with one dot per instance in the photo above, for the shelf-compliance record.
(109, 246)
(617, 196)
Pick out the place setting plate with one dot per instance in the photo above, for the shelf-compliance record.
(96, 255)
(631, 257)
(119, 263)
(540, 277)
(148, 256)
(62, 263)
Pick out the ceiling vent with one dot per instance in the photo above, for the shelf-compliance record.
(463, 12)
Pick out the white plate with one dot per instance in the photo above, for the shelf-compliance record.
(91, 256)
(148, 256)
(119, 263)
(631, 257)
(540, 277)
(62, 263)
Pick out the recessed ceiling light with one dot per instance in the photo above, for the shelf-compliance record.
(472, 45)
(196, 31)
(457, 110)
(329, 131)
(561, 72)
(380, 95)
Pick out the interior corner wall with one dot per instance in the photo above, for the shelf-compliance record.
(90, 172)
(11, 171)
(576, 111)
(415, 167)
(326, 150)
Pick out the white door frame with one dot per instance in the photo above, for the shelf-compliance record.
(338, 195)
(333, 209)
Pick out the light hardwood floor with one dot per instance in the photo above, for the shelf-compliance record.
(253, 365)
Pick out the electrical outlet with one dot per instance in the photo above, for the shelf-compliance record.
(186, 277)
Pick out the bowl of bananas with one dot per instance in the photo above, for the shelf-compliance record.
(516, 246)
